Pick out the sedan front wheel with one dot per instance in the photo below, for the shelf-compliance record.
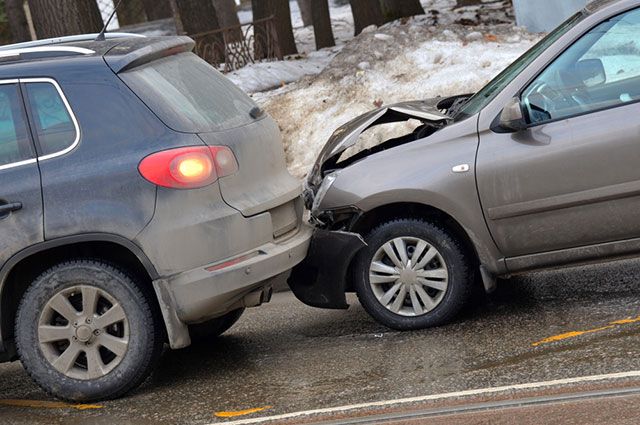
(412, 275)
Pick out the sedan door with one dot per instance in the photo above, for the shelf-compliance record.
(21, 219)
(572, 179)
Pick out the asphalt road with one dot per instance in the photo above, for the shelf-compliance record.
(285, 357)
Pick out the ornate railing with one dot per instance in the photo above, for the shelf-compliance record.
(231, 48)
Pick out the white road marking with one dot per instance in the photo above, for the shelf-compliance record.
(412, 400)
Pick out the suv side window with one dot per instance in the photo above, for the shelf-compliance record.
(601, 70)
(52, 120)
(15, 144)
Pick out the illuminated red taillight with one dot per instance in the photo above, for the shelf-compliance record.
(188, 168)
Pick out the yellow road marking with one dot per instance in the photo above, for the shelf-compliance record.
(574, 334)
(626, 321)
(40, 404)
(241, 412)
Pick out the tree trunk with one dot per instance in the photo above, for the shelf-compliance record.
(322, 24)
(464, 3)
(228, 17)
(396, 9)
(199, 16)
(305, 11)
(227, 13)
(365, 13)
(17, 20)
(131, 12)
(280, 9)
(57, 18)
(157, 9)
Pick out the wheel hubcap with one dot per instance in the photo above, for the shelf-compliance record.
(408, 276)
(83, 332)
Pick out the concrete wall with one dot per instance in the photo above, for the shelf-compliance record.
(545, 15)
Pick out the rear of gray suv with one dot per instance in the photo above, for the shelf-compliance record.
(145, 200)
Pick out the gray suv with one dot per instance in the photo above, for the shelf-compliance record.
(144, 199)
(539, 169)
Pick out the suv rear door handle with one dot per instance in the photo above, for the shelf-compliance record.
(9, 208)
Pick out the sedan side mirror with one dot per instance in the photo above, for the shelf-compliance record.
(591, 72)
(511, 117)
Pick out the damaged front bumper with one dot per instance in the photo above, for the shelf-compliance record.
(320, 280)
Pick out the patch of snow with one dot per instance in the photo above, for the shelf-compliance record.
(473, 36)
(263, 76)
(383, 37)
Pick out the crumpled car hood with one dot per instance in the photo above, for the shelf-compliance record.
(347, 135)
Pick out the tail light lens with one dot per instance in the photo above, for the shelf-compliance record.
(188, 168)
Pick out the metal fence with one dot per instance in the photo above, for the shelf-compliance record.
(237, 46)
(227, 49)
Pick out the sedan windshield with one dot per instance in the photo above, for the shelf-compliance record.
(491, 90)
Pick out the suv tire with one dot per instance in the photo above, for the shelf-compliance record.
(407, 293)
(202, 332)
(86, 331)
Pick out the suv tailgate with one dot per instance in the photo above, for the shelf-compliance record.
(262, 181)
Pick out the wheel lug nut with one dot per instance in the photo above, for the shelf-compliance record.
(96, 332)
(88, 320)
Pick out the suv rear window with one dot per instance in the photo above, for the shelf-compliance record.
(189, 95)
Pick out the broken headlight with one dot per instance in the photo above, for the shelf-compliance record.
(322, 190)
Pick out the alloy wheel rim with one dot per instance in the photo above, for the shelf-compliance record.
(408, 276)
(83, 332)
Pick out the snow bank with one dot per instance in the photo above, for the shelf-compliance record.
(411, 61)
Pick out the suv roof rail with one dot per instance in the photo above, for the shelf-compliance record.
(67, 39)
(45, 51)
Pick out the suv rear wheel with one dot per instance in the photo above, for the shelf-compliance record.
(86, 331)
(412, 275)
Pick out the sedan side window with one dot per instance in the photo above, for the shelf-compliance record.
(601, 70)
(52, 120)
(15, 145)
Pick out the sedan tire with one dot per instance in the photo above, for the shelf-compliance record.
(86, 331)
(412, 275)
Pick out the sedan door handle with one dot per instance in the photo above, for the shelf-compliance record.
(9, 208)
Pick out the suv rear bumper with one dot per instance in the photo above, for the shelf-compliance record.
(212, 290)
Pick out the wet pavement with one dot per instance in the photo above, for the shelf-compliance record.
(286, 357)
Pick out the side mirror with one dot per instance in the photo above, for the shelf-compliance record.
(591, 72)
(511, 117)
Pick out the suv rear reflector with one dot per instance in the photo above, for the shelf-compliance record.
(189, 167)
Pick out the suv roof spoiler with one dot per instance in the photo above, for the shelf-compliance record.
(133, 53)
(67, 39)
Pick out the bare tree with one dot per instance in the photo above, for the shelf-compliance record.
(56, 18)
(228, 17)
(322, 24)
(227, 13)
(131, 12)
(463, 3)
(396, 9)
(199, 16)
(365, 13)
(305, 11)
(157, 9)
(280, 9)
(17, 20)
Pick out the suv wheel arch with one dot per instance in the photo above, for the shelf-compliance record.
(61, 249)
